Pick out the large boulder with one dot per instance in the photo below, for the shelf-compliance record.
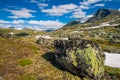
(81, 57)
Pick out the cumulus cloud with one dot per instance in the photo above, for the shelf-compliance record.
(88, 2)
(37, 1)
(34, 1)
(60, 10)
(84, 5)
(78, 14)
(47, 24)
(5, 25)
(18, 21)
(4, 22)
(42, 5)
(99, 5)
(22, 13)
(41, 24)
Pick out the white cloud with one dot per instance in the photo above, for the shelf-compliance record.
(18, 21)
(42, 5)
(84, 5)
(119, 9)
(78, 14)
(99, 5)
(47, 24)
(88, 2)
(68, 6)
(60, 10)
(5, 25)
(22, 13)
(34, 1)
(37, 1)
(4, 22)
(41, 24)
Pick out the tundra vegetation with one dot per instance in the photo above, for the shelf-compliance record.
(22, 59)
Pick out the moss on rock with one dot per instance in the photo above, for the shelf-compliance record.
(82, 57)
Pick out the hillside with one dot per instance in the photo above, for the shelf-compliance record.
(103, 28)
(22, 59)
(100, 16)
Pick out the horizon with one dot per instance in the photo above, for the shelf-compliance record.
(48, 14)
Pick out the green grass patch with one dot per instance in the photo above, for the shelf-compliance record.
(24, 62)
(32, 47)
(113, 72)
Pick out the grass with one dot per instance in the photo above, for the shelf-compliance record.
(22, 59)
(32, 47)
(113, 72)
(26, 77)
(107, 37)
(24, 62)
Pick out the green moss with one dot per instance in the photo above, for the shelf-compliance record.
(89, 55)
(24, 62)
(73, 57)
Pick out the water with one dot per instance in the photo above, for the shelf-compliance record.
(112, 59)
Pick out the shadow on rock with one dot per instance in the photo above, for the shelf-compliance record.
(50, 56)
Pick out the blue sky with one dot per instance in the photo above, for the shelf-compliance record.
(45, 14)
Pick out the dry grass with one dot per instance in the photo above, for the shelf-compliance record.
(22, 59)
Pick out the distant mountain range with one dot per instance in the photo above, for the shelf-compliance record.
(99, 15)
(37, 29)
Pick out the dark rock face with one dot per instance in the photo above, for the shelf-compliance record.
(101, 13)
(81, 57)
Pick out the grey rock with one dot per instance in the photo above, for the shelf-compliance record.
(81, 57)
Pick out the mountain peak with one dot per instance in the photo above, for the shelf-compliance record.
(101, 13)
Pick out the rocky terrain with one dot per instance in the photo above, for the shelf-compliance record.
(103, 28)
(70, 53)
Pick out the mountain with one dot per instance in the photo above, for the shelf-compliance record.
(99, 15)
(103, 28)
(78, 21)
(104, 13)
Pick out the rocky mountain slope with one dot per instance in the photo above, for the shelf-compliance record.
(99, 15)
(103, 27)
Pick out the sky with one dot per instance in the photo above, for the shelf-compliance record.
(46, 14)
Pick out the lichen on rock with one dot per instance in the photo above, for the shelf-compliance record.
(81, 57)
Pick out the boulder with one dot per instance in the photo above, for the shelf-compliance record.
(81, 57)
(40, 40)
